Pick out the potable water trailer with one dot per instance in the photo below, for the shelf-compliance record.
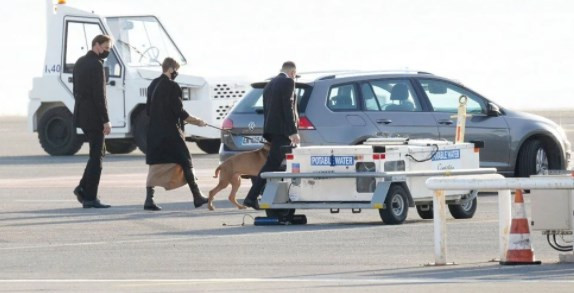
(390, 188)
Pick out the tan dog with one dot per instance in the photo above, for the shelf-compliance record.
(230, 171)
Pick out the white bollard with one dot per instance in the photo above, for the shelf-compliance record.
(461, 120)
(439, 214)
(504, 221)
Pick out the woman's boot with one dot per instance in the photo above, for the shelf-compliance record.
(149, 204)
(198, 198)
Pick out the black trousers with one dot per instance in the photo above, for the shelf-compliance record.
(273, 163)
(91, 178)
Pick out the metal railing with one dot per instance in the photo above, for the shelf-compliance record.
(491, 182)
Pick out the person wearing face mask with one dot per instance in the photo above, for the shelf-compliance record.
(91, 115)
(169, 160)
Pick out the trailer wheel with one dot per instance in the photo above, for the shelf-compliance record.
(120, 146)
(464, 211)
(396, 206)
(57, 133)
(425, 211)
(141, 124)
(280, 213)
(210, 146)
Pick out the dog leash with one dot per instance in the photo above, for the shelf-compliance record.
(232, 133)
(242, 224)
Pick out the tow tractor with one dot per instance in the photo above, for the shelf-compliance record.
(140, 45)
(386, 174)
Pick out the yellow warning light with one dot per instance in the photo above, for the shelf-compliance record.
(61, 1)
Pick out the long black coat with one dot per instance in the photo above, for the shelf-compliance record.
(165, 138)
(279, 107)
(91, 107)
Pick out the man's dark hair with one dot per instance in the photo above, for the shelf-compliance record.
(101, 39)
(288, 65)
(169, 63)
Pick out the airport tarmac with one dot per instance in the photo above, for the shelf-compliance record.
(49, 243)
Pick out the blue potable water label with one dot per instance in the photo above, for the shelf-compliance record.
(332, 160)
(446, 155)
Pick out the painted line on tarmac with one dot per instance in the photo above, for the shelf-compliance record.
(281, 280)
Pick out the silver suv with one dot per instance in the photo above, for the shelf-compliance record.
(346, 108)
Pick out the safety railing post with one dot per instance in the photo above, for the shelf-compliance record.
(504, 221)
(439, 214)
(572, 213)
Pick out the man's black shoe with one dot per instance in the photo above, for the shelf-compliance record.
(152, 207)
(79, 192)
(251, 203)
(95, 204)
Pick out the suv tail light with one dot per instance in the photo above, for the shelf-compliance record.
(305, 124)
(227, 124)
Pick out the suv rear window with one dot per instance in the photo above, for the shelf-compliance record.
(253, 100)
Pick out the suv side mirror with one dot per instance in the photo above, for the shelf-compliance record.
(493, 110)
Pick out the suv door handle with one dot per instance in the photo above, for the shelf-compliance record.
(112, 83)
(384, 121)
(446, 122)
(70, 79)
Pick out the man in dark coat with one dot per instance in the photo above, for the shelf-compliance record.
(165, 137)
(279, 126)
(91, 115)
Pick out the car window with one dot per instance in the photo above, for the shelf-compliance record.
(342, 97)
(369, 98)
(394, 95)
(252, 102)
(444, 97)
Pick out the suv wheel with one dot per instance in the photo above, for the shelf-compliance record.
(534, 158)
(425, 211)
(120, 146)
(463, 211)
(57, 133)
(141, 124)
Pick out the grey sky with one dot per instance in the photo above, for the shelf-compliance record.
(515, 52)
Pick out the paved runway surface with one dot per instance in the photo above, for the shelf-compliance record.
(48, 242)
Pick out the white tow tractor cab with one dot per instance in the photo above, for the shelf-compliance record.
(376, 155)
(140, 45)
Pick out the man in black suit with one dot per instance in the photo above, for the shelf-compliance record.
(91, 115)
(279, 126)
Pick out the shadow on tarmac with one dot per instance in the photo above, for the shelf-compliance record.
(467, 272)
(76, 159)
(233, 221)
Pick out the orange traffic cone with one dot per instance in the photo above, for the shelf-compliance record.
(520, 250)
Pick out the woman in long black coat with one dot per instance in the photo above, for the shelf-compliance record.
(167, 153)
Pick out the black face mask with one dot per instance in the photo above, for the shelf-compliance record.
(104, 54)
(174, 75)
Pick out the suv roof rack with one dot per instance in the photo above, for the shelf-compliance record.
(331, 74)
(362, 73)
